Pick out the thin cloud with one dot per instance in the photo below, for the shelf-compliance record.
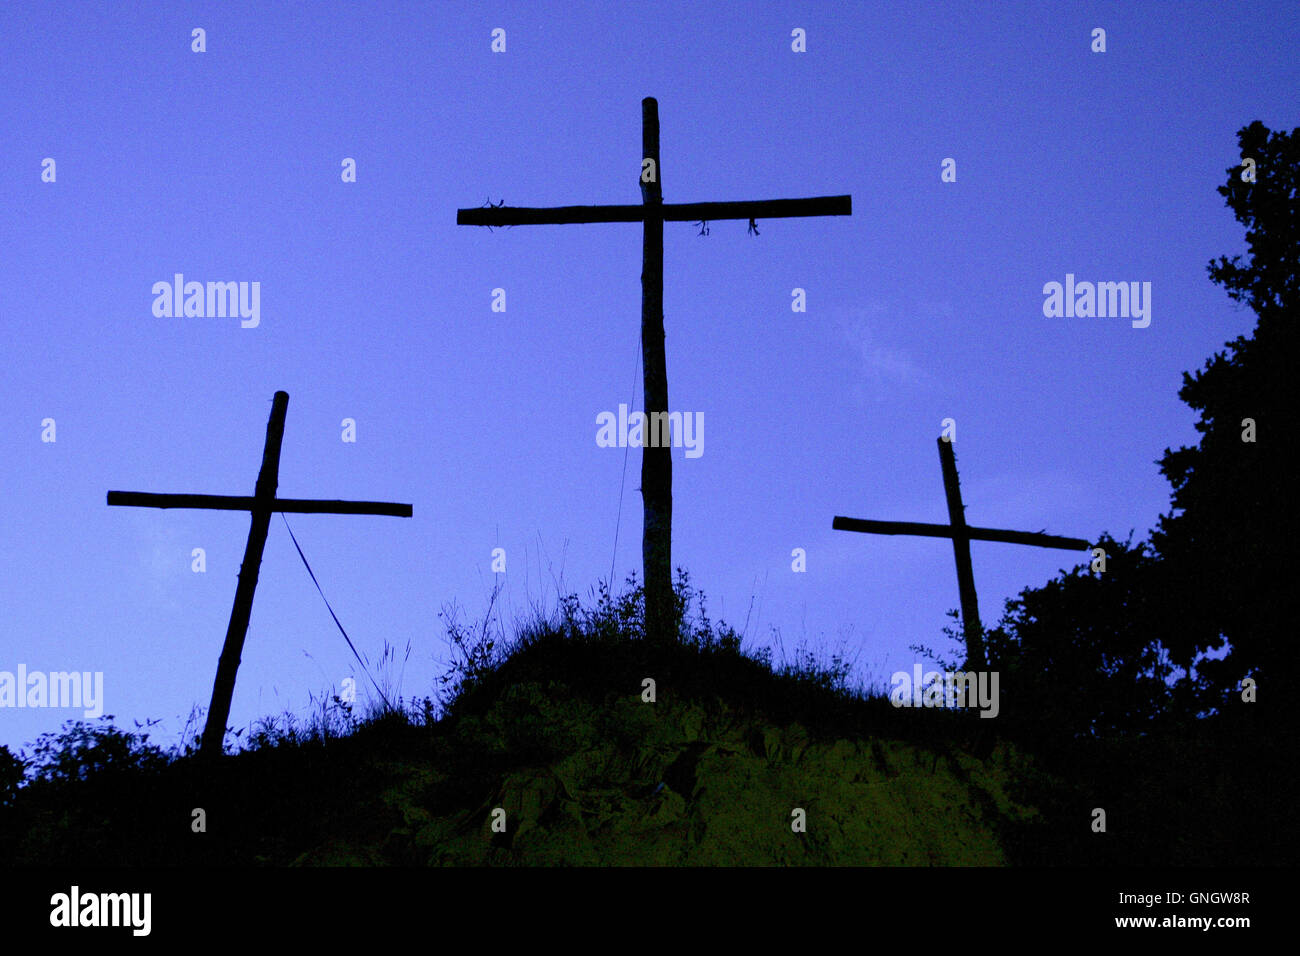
(883, 368)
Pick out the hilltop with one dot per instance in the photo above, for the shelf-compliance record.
(559, 732)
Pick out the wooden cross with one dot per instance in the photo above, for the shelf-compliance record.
(261, 505)
(652, 213)
(962, 535)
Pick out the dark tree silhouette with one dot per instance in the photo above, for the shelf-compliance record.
(1228, 540)
(1079, 656)
(1123, 650)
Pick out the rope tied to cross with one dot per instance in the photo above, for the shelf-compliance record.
(306, 565)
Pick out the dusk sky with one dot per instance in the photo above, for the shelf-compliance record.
(927, 303)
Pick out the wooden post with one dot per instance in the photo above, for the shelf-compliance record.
(223, 688)
(656, 459)
(970, 612)
(671, 212)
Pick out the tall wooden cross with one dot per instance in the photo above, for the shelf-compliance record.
(652, 213)
(261, 505)
(962, 535)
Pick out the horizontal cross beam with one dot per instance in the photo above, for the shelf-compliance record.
(946, 531)
(144, 499)
(671, 212)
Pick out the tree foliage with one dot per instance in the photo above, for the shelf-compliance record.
(1231, 532)
(1123, 650)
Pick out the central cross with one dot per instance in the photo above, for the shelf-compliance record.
(656, 463)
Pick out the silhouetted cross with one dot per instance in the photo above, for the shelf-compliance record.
(261, 505)
(962, 535)
(656, 465)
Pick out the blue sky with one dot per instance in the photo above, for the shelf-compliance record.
(926, 304)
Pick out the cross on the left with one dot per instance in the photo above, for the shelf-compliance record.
(262, 504)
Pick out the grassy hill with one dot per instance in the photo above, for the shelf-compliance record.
(554, 738)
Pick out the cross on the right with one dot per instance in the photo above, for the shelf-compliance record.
(962, 535)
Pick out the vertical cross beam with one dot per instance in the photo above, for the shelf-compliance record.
(970, 612)
(656, 461)
(223, 689)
